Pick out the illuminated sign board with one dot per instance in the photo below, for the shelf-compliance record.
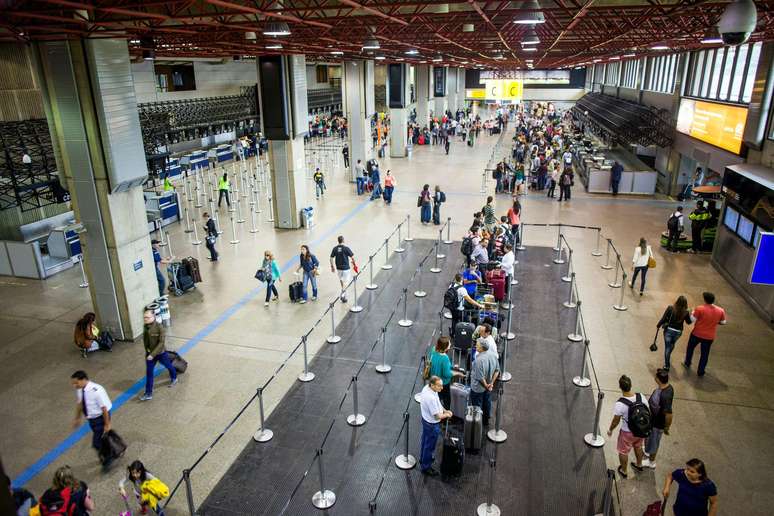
(498, 90)
(720, 125)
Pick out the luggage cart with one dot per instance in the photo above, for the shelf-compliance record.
(177, 285)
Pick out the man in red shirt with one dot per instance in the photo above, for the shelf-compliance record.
(706, 319)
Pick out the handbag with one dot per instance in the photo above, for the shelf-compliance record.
(654, 346)
(260, 275)
(419, 201)
(651, 263)
(112, 447)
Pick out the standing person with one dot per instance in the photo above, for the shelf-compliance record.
(615, 176)
(489, 214)
(673, 319)
(506, 265)
(697, 494)
(706, 319)
(223, 189)
(94, 404)
(438, 198)
(424, 204)
(271, 274)
(360, 177)
(319, 183)
(626, 439)
(158, 261)
(432, 415)
(699, 218)
(136, 476)
(675, 224)
(480, 255)
(484, 374)
(67, 495)
(210, 236)
(642, 255)
(565, 181)
(552, 179)
(308, 263)
(375, 181)
(341, 256)
(660, 403)
(389, 187)
(154, 338)
(464, 300)
(440, 366)
(446, 145)
(345, 154)
(514, 219)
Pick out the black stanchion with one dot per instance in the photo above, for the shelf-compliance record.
(189, 492)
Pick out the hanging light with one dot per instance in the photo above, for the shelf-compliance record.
(380, 58)
(371, 44)
(711, 37)
(530, 37)
(660, 46)
(274, 46)
(529, 17)
(276, 29)
(412, 52)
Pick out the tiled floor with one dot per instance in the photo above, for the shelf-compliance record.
(234, 344)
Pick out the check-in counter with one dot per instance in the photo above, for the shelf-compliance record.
(595, 167)
(47, 247)
(164, 207)
(224, 153)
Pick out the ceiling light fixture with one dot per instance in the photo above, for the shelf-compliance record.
(412, 52)
(274, 46)
(371, 44)
(276, 29)
(530, 37)
(437, 59)
(660, 46)
(380, 58)
(532, 16)
(596, 60)
(614, 58)
(529, 49)
(337, 53)
(148, 55)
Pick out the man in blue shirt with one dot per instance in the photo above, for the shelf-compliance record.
(615, 176)
(471, 278)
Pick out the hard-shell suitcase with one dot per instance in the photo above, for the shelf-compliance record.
(463, 335)
(460, 394)
(474, 429)
(296, 291)
(191, 264)
(497, 279)
(453, 454)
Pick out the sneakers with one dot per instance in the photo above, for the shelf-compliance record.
(648, 464)
(172, 383)
(146, 397)
(266, 303)
(314, 298)
(302, 301)
(635, 466)
(430, 472)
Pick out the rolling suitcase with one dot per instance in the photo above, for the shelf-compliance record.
(463, 335)
(474, 429)
(460, 394)
(453, 454)
(496, 278)
(191, 264)
(296, 291)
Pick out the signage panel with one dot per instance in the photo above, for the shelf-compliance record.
(720, 125)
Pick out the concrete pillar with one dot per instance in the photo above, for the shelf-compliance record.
(451, 87)
(88, 86)
(358, 99)
(422, 77)
(288, 181)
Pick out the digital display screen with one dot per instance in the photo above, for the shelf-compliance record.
(745, 229)
(763, 266)
(717, 124)
(731, 218)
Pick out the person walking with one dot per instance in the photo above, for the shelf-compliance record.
(271, 274)
(697, 495)
(141, 481)
(158, 261)
(360, 177)
(341, 258)
(672, 321)
(615, 176)
(660, 403)
(675, 224)
(699, 218)
(308, 263)
(94, 404)
(319, 183)
(223, 190)
(375, 181)
(345, 154)
(640, 263)
(154, 338)
(210, 236)
(440, 366)
(446, 145)
(424, 204)
(706, 319)
(484, 374)
(626, 438)
(432, 414)
(438, 198)
(389, 187)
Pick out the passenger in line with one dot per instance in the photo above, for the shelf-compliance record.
(94, 404)
(440, 366)
(432, 415)
(660, 403)
(158, 261)
(271, 274)
(640, 263)
(154, 338)
(438, 198)
(672, 321)
(308, 263)
(626, 439)
(485, 372)
(697, 494)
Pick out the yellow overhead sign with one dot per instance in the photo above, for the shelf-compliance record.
(479, 94)
(498, 90)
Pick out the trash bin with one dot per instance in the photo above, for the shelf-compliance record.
(307, 217)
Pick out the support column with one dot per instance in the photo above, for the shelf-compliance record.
(451, 86)
(398, 97)
(283, 105)
(88, 86)
(358, 102)
(439, 91)
(422, 75)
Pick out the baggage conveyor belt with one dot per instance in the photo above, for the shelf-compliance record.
(544, 467)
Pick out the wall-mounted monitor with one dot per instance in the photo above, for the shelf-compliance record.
(745, 229)
(721, 125)
(731, 218)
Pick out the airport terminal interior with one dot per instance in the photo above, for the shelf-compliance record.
(387, 257)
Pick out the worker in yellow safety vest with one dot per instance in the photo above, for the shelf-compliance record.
(223, 188)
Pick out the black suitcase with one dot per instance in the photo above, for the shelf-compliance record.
(179, 363)
(112, 447)
(296, 291)
(463, 335)
(184, 281)
(453, 454)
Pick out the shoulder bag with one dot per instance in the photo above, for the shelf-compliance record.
(651, 260)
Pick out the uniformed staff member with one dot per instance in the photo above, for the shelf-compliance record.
(93, 404)
(168, 186)
(223, 187)
(699, 218)
(319, 183)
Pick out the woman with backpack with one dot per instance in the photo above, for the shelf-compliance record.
(309, 264)
(147, 489)
(438, 198)
(66, 492)
(270, 273)
(643, 254)
(697, 494)
(424, 204)
(672, 321)
(87, 336)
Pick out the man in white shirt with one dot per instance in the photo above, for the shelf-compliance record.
(626, 439)
(506, 265)
(463, 297)
(93, 404)
(485, 336)
(432, 415)
(567, 158)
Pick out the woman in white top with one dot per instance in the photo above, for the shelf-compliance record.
(642, 254)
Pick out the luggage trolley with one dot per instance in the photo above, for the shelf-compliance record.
(180, 281)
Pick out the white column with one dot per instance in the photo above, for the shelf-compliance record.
(358, 103)
(422, 77)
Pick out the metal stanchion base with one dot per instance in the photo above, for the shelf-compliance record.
(232, 241)
(510, 335)
(621, 308)
(188, 231)
(505, 377)
(306, 377)
(614, 285)
(333, 339)
(405, 461)
(567, 304)
(448, 242)
(371, 286)
(263, 435)
(418, 397)
(240, 221)
(405, 323)
(521, 248)
(435, 270)
(581, 381)
(386, 267)
(399, 249)
(595, 441)
(488, 510)
(566, 279)
(230, 210)
(383, 368)
(606, 267)
(420, 293)
(440, 256)
(196, 242)
(596, 253)
(84, 285)
(356, 309)
(497, 436)
(254, 230)
(323, 499)
(558, 261)
(506, 306)
(575, 337)
(556, 249)
(408, 239)
(356, 420)
(200, 205)
(447, 314)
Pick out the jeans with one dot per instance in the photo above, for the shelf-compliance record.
(346, 161)
(653, 441)
(160, 280)
(221, 195)
(674, 238)
(643, 271)
(150, 365)
(388, 194)
(430, 433)
(97, 426)
(670, 339)
(614, 186)
(424, 214)
(499, 185)
(694, 341)
(360, 185)
(551, 187)
(516, 235)
(437, 213)
(377, 192)
(319, 189)
(310, 278)
(213, 252)
(271, 289)
(483, 400)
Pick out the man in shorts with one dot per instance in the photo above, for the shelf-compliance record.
(341, 256)
(626, 440)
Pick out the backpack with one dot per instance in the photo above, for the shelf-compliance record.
(450, 298)
(443, 196)
(639, 418)
(54, 502)
(672, 223)
(467, 246)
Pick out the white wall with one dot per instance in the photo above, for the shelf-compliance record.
(213, 79)
(549, 94)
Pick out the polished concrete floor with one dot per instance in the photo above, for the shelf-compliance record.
(234, 344)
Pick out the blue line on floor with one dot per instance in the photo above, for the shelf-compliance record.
(60, 449)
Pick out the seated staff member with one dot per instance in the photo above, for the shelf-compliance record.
(432, 415)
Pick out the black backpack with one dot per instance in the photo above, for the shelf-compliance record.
(467, 246)
(443, 196)
(672, 223)
(639, 418)
(450, 298)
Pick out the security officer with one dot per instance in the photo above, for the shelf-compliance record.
(699, 218)
(223, 187)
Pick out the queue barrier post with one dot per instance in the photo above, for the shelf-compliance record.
(435, 269)
(559, 260)
(405, 460)
(324, 498)
(419, 292)
(371, 285)
(405, 322)
(195, 238)
(356, 418)
(576, 335)
(607, 496)
(489, 508)
(333, 338)
(386, 266)
(607, 265)
(521, 246)
(187, 220)
(448, 240)
(438, 253)
(621, 307)
(558, 245)
(582, 380)
(307, 375)
(254, 228)
(189, 492)
(408, 229)
(84, 280)
(595, 439)
(400, 248)
(615, 283)
(240, 220)
(497, 434)
(234, 239)
(567, 278)
(384, 367)
(596, 251)
(263, 434)
(570, 303)
(356, 307)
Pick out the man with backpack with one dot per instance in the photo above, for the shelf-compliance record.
(674, 227)
(456, 298)
(631, 410)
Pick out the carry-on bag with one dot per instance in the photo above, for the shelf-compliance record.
(453, 454)
(474, 428)
(463, 335)
(112, 447)
(460, 395)
(654, 346)
(191, 265)
(296, 291)
(179, 363)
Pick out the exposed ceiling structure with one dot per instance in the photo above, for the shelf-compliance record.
(456, 32)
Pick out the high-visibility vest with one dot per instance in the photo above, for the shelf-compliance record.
(168, 185)
(223, 184)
